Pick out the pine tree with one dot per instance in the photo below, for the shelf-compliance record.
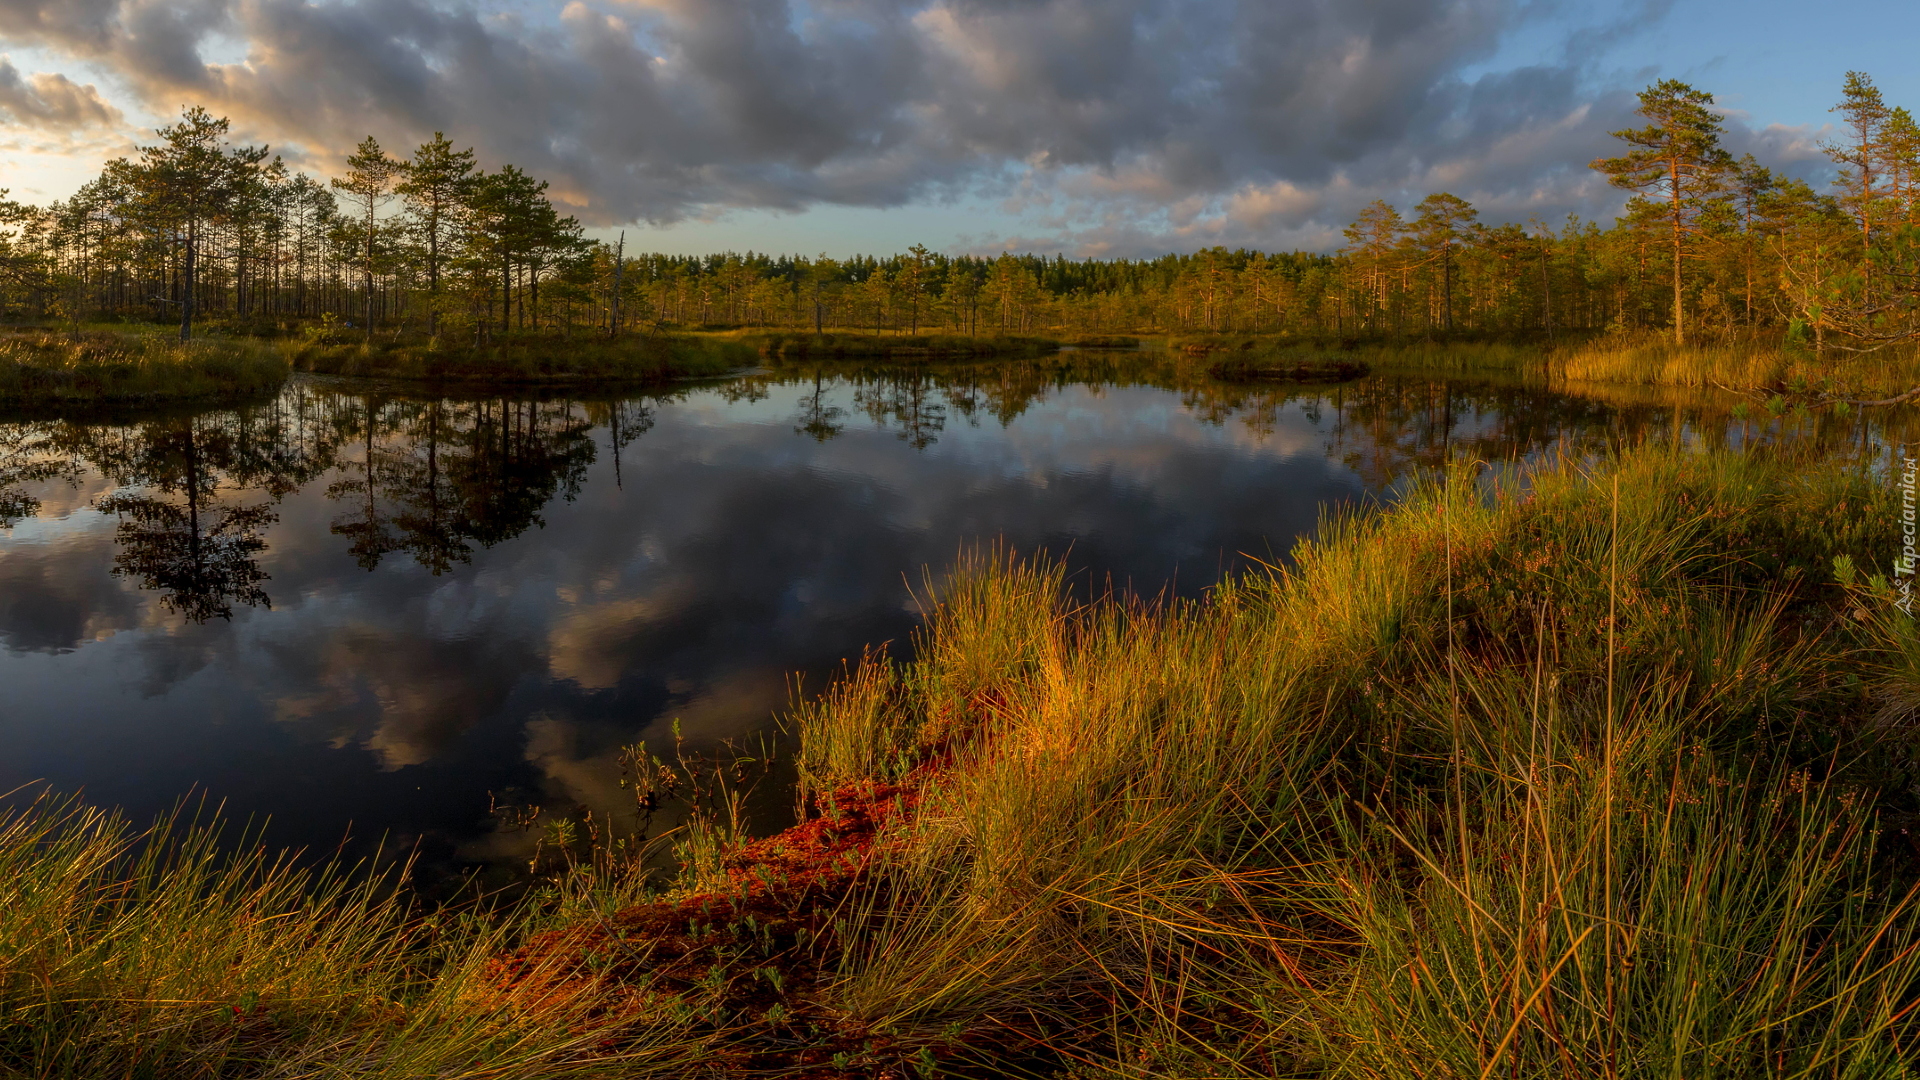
(1677, 155)
(1901, 145)
(1752, 183)
(438, 181)
(1370, 239)
(1443, 222)
(369, 184)
(187, 183)
(1865, 114)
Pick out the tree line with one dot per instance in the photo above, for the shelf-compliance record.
(1708, 246)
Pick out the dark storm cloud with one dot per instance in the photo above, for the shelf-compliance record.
(1112, 123)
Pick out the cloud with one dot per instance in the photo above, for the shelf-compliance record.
(1111, 126)
(52, 102)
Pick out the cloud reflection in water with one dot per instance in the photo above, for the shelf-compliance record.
(465, 596)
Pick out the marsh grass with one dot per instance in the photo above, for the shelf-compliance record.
(1765, 363)
(1561, 777)
(108, 367)
(1575, 771)
(526, 359)
(170, 952)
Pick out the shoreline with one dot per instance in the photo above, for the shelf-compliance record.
(1020, 843)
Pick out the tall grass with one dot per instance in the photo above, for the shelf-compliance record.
(1576, 772)
(1557, 778)
(113, 367)
(165, 952)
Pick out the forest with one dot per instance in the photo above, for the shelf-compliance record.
(1709, 247)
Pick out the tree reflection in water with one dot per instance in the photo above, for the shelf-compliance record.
(435, 477)
(29, 455)
(187, 528)
(819, 419)
(200, 559)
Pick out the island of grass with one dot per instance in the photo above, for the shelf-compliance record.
(107, 367)
(532, 358)
(1593, 772)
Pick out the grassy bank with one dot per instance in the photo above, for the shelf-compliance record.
(778, 347)
(1453, 356)
(1401, 810)
(157, 952)
(1587, 776)
(101, 367)
(1644, 359)
(544, 358)
(1739, 365)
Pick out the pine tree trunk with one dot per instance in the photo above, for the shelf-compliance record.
(186, 293)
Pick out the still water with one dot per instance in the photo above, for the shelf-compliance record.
(366, 613)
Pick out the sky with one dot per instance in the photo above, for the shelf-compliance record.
(1105, 128)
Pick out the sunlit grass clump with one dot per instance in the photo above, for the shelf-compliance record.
(1765, 363)
(171, 951)
(1575, 778)
(102, 366)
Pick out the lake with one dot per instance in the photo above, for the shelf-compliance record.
(374, 615)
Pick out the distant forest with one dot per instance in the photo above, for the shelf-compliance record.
(1709, 247)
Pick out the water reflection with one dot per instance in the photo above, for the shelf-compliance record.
(179, 533)
(432, 478)
(351, 605)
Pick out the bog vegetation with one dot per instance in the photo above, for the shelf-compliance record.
(1596, 770)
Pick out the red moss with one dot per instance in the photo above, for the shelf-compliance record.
(743, 967)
